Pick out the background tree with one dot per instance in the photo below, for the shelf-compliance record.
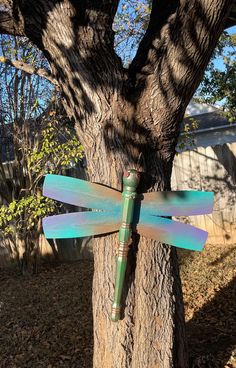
(127, 117)
(219, 83)
(34, 141)
(130, 24)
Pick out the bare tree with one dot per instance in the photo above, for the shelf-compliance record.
(35, 138)
(126, 118)
(21, 120)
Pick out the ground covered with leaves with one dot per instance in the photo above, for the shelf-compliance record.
(209, 287)
(46, 320)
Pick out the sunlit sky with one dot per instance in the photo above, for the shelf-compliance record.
(219, 62)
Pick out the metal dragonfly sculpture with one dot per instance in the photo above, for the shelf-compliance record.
(125, 212)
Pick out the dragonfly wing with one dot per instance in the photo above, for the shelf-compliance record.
(177, 203)
(79, 224)
(81, 193)
(172, 232)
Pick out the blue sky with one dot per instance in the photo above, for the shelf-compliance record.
(219, 62)
(231, 30)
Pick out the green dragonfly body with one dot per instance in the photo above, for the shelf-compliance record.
(130, 183)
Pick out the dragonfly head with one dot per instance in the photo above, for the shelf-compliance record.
(131, 178)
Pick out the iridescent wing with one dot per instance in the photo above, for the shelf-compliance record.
(81, 193)
(80, 224)
(172, 232)
(177, 203)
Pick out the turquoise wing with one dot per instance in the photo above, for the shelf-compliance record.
(81, 193)
(177, 203)
(80, 224)
(172, 232)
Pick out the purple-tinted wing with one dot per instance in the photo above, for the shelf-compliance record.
(177, 203)
(79, 224)
(172, 232)
(81, 193)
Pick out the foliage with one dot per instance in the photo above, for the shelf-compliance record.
(57, 147)
(52, 150)
(24, 213)
(186, 139)
(219, 83)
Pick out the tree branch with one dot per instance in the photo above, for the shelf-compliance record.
(10, 20)
(4, 188)
(159, 17)
(44, 73)
(178, 23)
(13, 13)
(231, 20)
(171, 60)
(178, 44)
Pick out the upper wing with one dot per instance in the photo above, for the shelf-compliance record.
(79, 224)
(177, 203)
(172, 232)
(81, 193)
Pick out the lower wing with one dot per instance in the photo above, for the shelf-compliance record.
(79, 224)
(172, 232)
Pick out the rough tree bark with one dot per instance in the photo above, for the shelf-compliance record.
(127, 118)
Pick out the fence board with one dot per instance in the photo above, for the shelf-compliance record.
(211, 168)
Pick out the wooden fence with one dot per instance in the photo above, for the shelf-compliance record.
(212, 169)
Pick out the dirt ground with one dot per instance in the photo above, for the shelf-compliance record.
(46, 319)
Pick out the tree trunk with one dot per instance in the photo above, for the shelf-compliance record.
(151, 331)
(147, 335)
